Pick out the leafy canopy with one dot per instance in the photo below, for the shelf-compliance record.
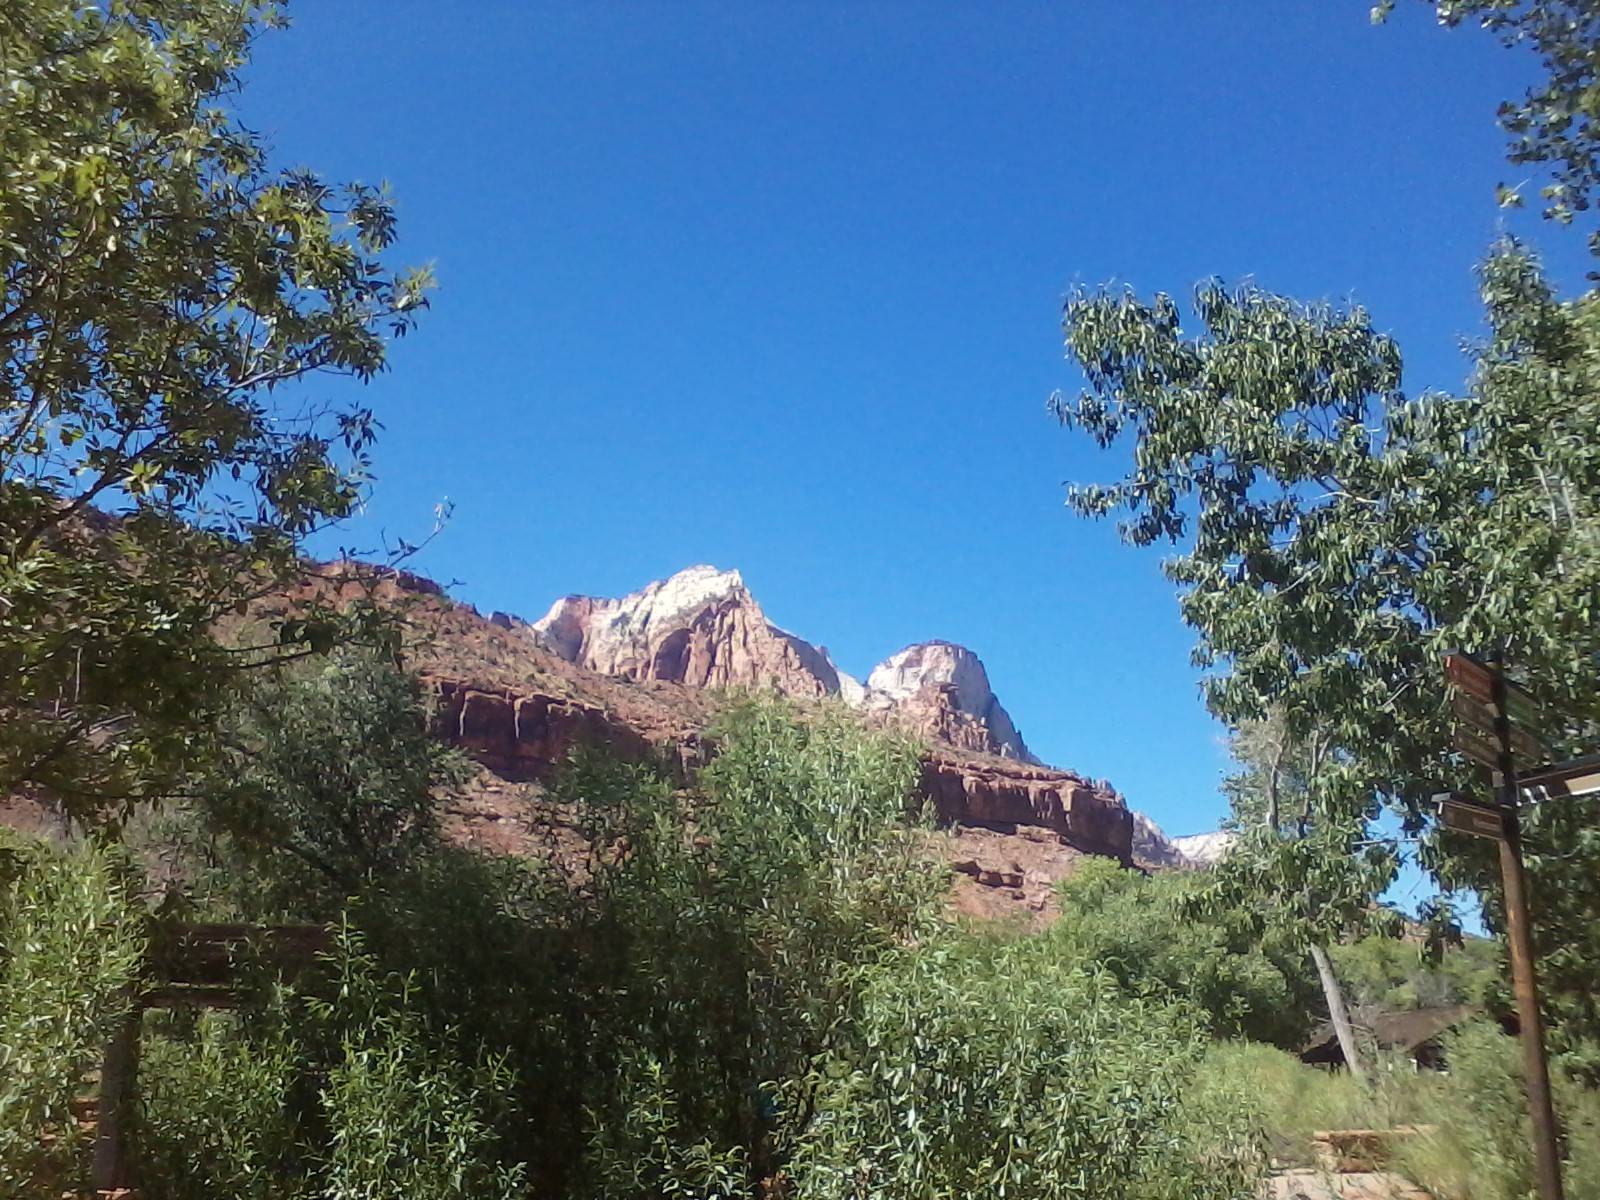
(1554, 124)
(160, 281)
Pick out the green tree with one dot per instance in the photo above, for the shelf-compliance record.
(160, 285)
(747, 917)
(1337, 536)
(1146, 933)
(1556, 124)
(71, 944)
(326, 779)
(1305, 869)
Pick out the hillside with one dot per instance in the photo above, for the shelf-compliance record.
(641, 674)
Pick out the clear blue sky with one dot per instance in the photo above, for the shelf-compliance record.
(777, 286)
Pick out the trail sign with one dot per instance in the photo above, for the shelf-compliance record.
(1528, 746)
(1475, 745)
(1470, 675)
(1473, 703)
(1480, 714)
(1575, 777)
(1521, 707)
(1468, 816)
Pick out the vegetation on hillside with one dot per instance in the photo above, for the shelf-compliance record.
(743, 984)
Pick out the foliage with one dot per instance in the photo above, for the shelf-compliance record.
(70, 945)
(1476, 1144)
(1390, 975)
(749, 917)
(217, 1098)
(328, 764)
(653, 996)
(998, 1069)
(1554, 123)
(1337, 536)
(159, 281)
(232, 1106)
(404, 1118)
(1290, 1102)
(1470, 1139)
(1144, 933)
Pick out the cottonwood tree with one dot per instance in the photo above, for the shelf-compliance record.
(161, 282)
(1335, 536)
(1554, 124)
(1304, 866)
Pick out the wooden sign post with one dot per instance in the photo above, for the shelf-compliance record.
(1483, 704)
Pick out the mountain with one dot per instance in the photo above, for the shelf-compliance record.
(643, 675)
(702, 628)
(1155, 850)
(640, 673)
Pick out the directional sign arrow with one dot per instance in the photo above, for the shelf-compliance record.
(1470, 675)
(1465, 816)
(1575, 777)
(1475, 745)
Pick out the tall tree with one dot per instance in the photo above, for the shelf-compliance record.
(1304, 864)
(1556, 123)
(1335, 536)
(160, 280)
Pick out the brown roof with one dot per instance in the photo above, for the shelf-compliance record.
(1391, 1031)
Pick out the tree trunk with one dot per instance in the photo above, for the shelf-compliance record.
(1337, 1011)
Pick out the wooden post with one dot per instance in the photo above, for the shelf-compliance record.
(1524, 975)
(108, 1170)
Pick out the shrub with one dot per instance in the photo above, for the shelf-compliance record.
(1478, 1145)
(1142, 931)
(997, 1069)
(70, 946)
(218, 1112)
(731, 939)
(348, 1097)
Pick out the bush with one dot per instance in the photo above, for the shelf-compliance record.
(993, 1069)
(71, 941)
(731, 940)
(1140, 930)
(218, 1111)
(1478, 1144)
(342, 1098)
(1289, 1101)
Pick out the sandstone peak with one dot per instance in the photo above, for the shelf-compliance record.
(949, 678)
(702, 628)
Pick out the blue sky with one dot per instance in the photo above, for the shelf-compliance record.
(777, 286)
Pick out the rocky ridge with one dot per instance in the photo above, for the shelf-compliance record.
(702, 628)
(636, 675)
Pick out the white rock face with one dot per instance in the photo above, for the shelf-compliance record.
(612, 636)
(851, 690)
(1206, 849)
(1199, 850)
(956, 672)
(702, 628)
